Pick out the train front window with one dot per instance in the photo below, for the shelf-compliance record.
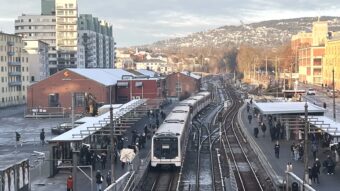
(166, 148)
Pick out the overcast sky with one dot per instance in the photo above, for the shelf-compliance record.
(137, 22)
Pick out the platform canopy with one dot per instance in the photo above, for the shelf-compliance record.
(326, 124)
(288, 108)
(95, 124)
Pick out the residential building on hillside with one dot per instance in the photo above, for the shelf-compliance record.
(37, 53)
(155, 65)
(331, 62)
(96, 43)
(14, 72)
(124, 60)
(66, 33)
(39, 27)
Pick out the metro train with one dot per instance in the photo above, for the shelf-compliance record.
(168, 145)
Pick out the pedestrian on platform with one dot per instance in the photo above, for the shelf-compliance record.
(250, 117)
(324, 105)
(315, 174)
(301, 150)
(99, 180)
(251, 101)
(317, 164)
(263, 128)
(330, 165)
(143, 140)
(103, 160)
(157, 123)
(314, 148)
(17, 139)
(42, 137)
(248, 107)
(310, 175)
(69, 184)
(108, 178)
(289, 167)
(292, 150)
(277, 149)
(296, 153)
(256, 132)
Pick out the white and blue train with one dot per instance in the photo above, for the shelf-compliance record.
(168, 145)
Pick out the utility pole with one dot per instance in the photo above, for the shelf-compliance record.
(74, 149)
(266, 66)
(305, 154)
(334, 111)
(112, 139)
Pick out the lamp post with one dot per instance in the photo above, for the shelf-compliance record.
(112, 139)
(305, 153)
(334, 112)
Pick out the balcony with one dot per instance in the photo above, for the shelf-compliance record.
(16, 83)
(14, 73)
(10, 43)
(12, 63)
(11, 53)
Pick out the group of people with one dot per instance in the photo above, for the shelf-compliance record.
(297, 151)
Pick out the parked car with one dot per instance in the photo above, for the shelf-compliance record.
(331, 93)
(311, 91)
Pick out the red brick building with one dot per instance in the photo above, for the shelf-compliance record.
(139, 88)
(91, 87)
(182, 84)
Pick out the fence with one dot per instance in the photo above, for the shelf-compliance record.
(15, 177)
(45, 112)
(293, 182)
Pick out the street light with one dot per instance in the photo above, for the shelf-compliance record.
(334, 112)
(305, 152)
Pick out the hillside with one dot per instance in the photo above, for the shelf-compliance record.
(265, 33)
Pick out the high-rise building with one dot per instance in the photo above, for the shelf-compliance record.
(14, 72)
(96, 43)
(39, 27)
(66, 33)
(47, 7)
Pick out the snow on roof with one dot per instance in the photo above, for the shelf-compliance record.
(191, 75)
(287, 108)
(147, 73)
(325, 123)
(106, 77)
(94, 124)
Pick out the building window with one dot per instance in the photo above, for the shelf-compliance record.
(3, 100)
(53, 100)
(122, 98)
(79, 100)
(178, 87)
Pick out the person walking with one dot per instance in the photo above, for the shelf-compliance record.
(277, 149)
(108, 178)
(315, 174)
(103, 160)
(69, 184)
(17, 139)
(314, 150)
(250, 117)
(330, 165)
(256, 132)
(263, 128)
(99, 180)
(42, 137)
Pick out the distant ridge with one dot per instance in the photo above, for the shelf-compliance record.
(265, 33)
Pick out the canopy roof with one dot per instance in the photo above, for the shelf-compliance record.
(325, 124)
(95, 124)
(271, 108)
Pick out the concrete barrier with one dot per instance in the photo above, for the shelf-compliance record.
(277, 180)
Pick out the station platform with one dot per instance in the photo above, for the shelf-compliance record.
(278, 166)
(58, 182)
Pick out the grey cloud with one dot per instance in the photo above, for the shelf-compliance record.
(139, 22)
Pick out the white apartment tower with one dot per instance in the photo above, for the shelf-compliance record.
(66, 33)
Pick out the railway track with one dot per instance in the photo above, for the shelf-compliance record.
(233, 145)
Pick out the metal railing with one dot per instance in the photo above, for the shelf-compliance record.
(291, 179)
